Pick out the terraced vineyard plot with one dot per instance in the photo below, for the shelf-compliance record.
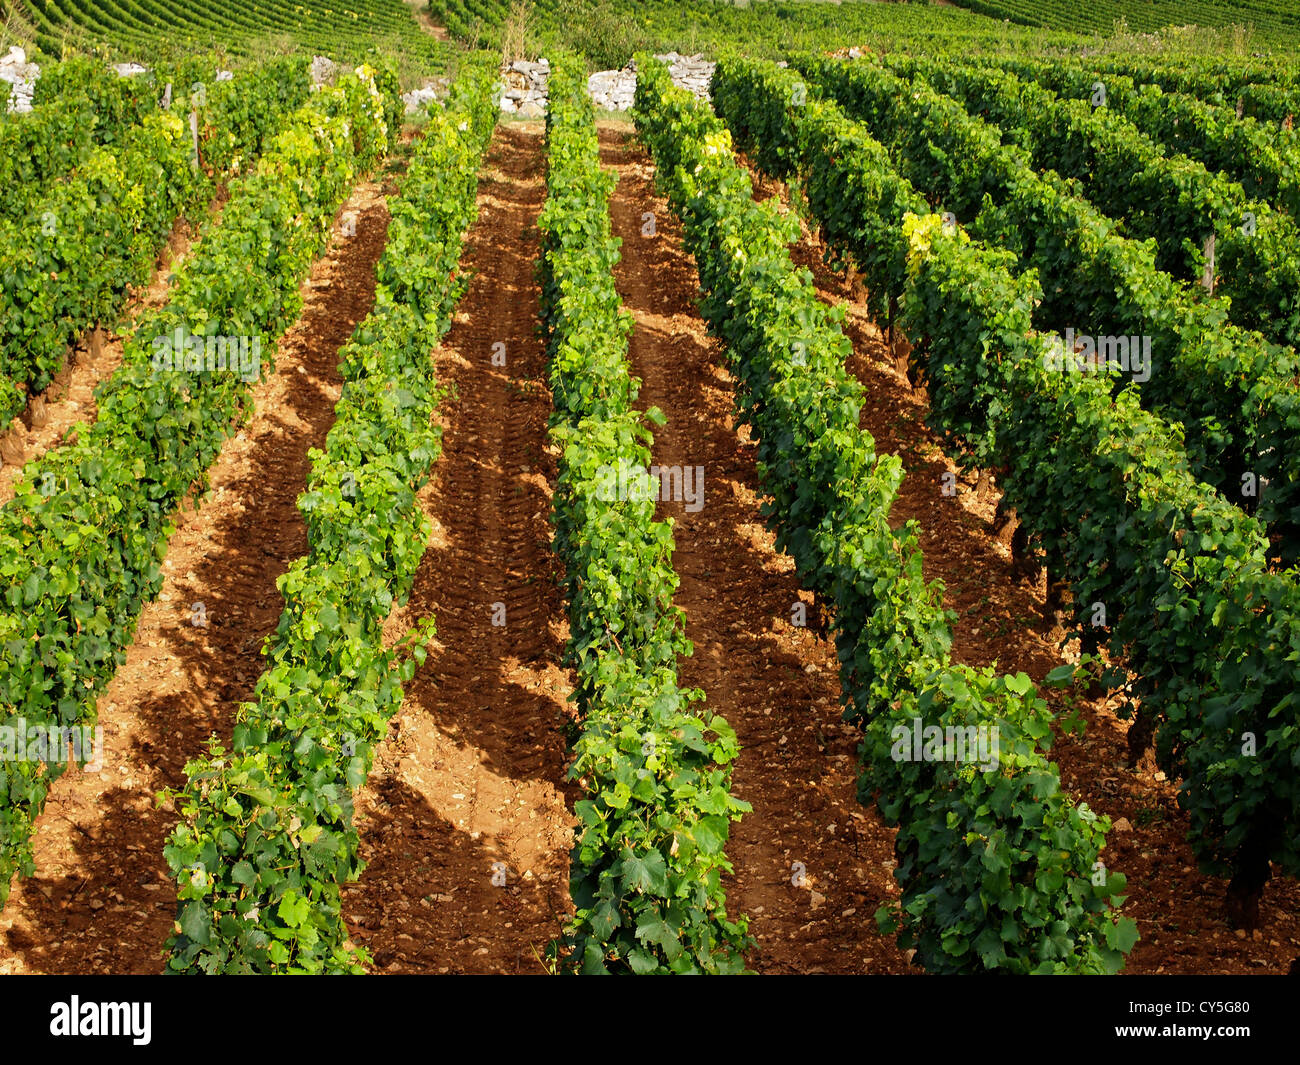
(347, 29)
(1269, 19)
(608, 32)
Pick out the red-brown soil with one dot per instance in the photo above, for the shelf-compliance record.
(470, 782)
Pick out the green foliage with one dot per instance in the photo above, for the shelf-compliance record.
(647, 866)
(998, 865)
(607, 32)
(1265, 159)
(79, 105)
(1103, 488)
(1234, 392)
(1270, 95)
(81, 543)
(239, 115)
(355, 31)
(70, 260)
(1275, 21)
(268, 837)
(1172, 199)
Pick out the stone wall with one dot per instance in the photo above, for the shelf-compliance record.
(526, 81)
(22, 76)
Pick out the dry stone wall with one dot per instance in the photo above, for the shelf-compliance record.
(525, 82)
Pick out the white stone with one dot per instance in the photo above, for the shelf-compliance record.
(21, 76)
(418, 98)
(322, 69)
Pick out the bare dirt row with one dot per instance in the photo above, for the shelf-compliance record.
(464, 821)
